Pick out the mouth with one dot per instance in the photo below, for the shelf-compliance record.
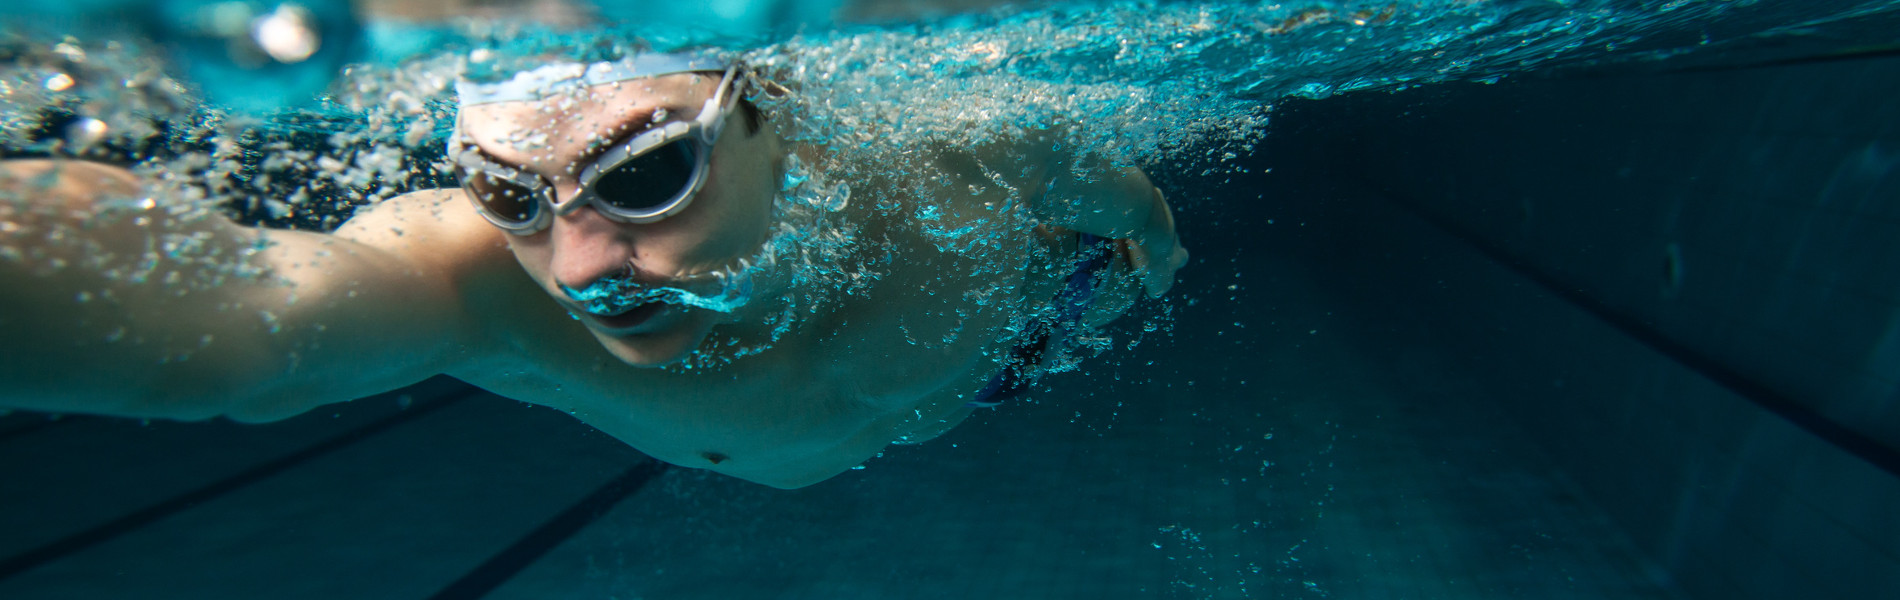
(635, 320)
(620, 299)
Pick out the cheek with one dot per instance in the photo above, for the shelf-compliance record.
(533, 254)
(729, 218)
(746, 189)
(743, 218)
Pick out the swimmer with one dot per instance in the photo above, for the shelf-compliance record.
(638, 197)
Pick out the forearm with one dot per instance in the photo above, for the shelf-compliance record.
(109, 300)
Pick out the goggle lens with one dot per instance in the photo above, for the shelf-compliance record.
(649, 182)
(503, 199)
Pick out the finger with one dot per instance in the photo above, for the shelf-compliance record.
(1138, 259)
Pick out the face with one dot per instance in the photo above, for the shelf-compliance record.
(557, 137)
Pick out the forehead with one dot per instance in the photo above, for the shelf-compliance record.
(571, 120)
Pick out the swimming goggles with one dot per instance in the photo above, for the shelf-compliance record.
(651, 176)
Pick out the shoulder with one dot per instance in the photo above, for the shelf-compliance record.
(431, 248)
(433, 229)
(74, 184)
(438, 241)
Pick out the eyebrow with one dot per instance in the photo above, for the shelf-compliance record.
(639, 122)
(636, 123)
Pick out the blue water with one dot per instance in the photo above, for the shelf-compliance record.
(1168, 80)
(1192, 83)
(1281, 426)
(1228, 57)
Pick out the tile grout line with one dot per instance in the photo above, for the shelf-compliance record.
(88, 538)
(1761, 395)
(510, 561)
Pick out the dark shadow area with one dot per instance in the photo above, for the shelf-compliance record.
(1678, 283)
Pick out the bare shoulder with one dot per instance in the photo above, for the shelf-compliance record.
(82, 172)
(73, 184)
(431, 229)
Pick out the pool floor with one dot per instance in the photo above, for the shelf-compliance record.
(1263, 449)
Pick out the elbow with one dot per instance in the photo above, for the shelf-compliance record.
(208, 389)
(796, 478)
(1119, 204)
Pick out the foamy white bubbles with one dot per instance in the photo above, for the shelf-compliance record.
(1146, 84)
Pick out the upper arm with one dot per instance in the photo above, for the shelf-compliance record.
(1098, 199)
(431, 230)
(1079, 193)
(377, 304)
(126, 309)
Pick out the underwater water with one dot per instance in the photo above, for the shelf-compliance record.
(1300, 417)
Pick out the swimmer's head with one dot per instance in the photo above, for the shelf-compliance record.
(638, 193)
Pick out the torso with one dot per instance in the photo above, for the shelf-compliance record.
(898, 360)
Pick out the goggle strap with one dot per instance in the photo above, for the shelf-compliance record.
(712, 114)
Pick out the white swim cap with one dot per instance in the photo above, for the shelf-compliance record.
(559, 77)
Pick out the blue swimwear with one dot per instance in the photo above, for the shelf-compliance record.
(1091, 262)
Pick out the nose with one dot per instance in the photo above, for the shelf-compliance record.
(587, 247)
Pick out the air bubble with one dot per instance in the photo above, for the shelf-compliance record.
(59, 82)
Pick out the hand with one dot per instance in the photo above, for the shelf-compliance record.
(1157, 252)
(1157, 268)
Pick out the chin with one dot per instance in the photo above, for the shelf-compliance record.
(657, 349)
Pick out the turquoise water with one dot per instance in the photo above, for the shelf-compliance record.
(359, 108)
(1262, 432)
(1168, 81)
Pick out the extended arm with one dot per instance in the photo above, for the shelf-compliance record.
(1118, 203)
(1081, 193)
(114, 305)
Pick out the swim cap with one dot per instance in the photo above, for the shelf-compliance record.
(559, 77)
